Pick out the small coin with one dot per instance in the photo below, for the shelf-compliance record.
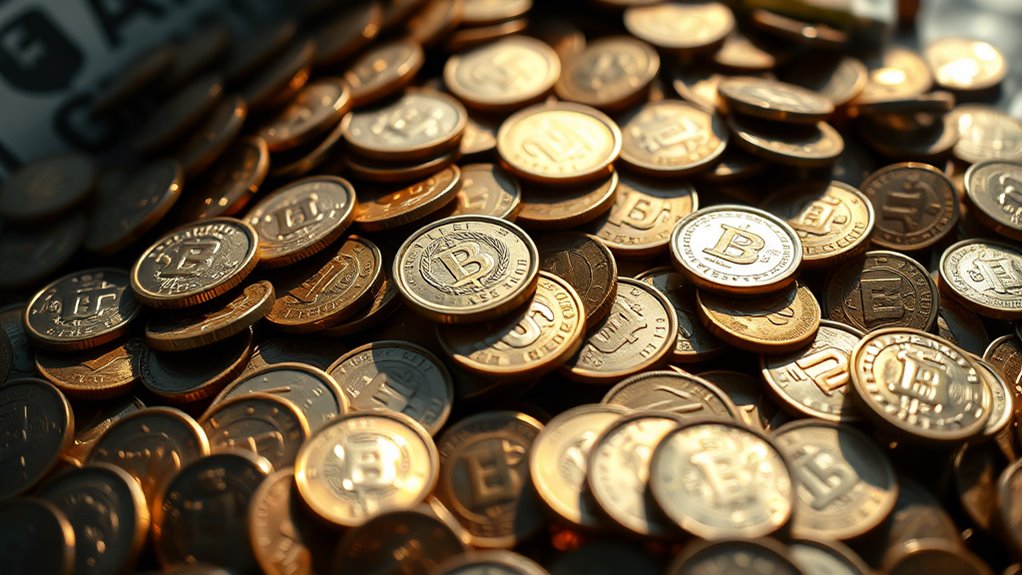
(896, 72)
(301, 218)
(178, 114)
(195, 263)
(284, 539)
(502, 75)
(833, 220)
(994, 188)
(638, 334)
(986, 133)
(98, 373)
(755, 409)
(226, 188)
(108, 513)
(735, 249)
(894, 377)
(961, 327)
(644, 215)
(264, 423)
(503, 510)
(840, 78)
(985, 276)
(277, 81)
(927, 556)
(32, 404)
(346, 32)
(487, 190)
(384, 540)
(887, 289)
(385, 208)
(671, 138)
(47, 188)
(561, 143)
(312, 112)
(814, 381)
(418, 125)
(825, 556)
(805, 146)
(683, 395)
(557, 206)
(201, 517)
(845, 485)
(964, 64)
(773, 100)
(130, 205)
(678, 27)
(187, 376)
(201, 326)
(610, 73)
(315, 393)
(383, 70)
(763, 556)
(38, 536)
(587, 265)
(916, 205)
(81, 310)
(395, 465)
(758, 499)
(245, 57)
(29, 255)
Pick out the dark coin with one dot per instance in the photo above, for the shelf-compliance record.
(773, 100)
(935, 557)
(611, 556)
(284, 538)
(300, 161)
(587, 265)
(47, 188)
(187, 376)
(278, 80)
(1009, 500)
(961, 327)
(88, 432)
(28, 255)
(434, 21)
(201, 326)
(887, 289)
(490, 563)
(839, 78)
(246, 56)
(197, 52)
(383, 305)
(644, 213)
(755, 408)
(318, 352)
(746, 556)
(346, 32)
(1005, 355)
(976, 470)
(314, 110)
(695, 342)
(826, 557)
(917, 516)
(383, 70)
(266, 424)
(380, 172)
(377, 545)
(915, 205)
(131, 204)
(38, 538)
(97, 373)
(133, 79)
(681, 394)
(315, 393)
(227, 187)
(802, 146)
(38, 426)
(6, 357)
(212, 137)
(23, 356)
(179, 114)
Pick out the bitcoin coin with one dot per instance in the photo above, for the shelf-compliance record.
(201, 326)
(773, 100)
(313, 111)
(994, 188)
(734, 249)
(986, 133)
(896, 72)
(39, 536)
(759, 556)
(505, 74)
(177, 115)
(32, 404)
(419, 125)
(840, 78)
(97, 373)
(611, 73)
(985, 276)
(886, 289)
(311, 389)
(284, 539)
(965, 65)
(487, 190)
(226, 188)
(555, 207)
(47, 188)
(264, 423)
(671, 138)
(383, 70)
(681, 27)
(1002, 406)
(277, 81)
(680, 394)
(187, 376)
(804, 146)
(29, 255)
(587, 265)
(644, 215)
(915, 204)
(129, 205)
(81, 310)
(384, 540)
(385, 208)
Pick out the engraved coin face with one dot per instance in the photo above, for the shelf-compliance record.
(721, 479)
(919, 386)
(399, 376)
(181, 331)
(672, 138)
(994, 187)
(681, 27)
(365, 463)
(916, 205)
(418, 125)
(964, 64)
(807, 146)
(984, 276)
(381, 209)
(487, 190)
(814, 381)
(466, 268)
(683, 395)
(32, 404)
(315, 393)
(735, 249)
(986, 133)
(644, 215)
(195, 263)
(773, 100)
(561, 143)
(638, 334)
(503, 74)
(778, 322)
(896, 73)
(610, 73)
(97, 373)
(845, 484)
(754, 557)
(886, 290)
(383, 70)
(587, 265)
(41, 539)
(263, 423)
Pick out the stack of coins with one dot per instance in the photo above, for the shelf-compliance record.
(482, 286)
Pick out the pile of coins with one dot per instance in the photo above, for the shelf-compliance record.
(422, 286)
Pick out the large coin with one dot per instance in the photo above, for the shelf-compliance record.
(887, 289)
(774, 323)
(81, 310)
(611, 73)
(311, 389)
(915, 204)
(984, 276)
(263, 423)
(419, 125)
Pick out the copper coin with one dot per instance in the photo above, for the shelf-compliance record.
(38, 537)
(206, 325)
(610, 73)
(398, 376)
(502, 75)
(227, 187)
(199, 519)
(734, 556)
(98, 373)
(896, 72)
(130, 206)
(644, 215)
(587, 265)
(925, 556)
(811, 35)
(187, 376)
(211, 138)
(482, 12)
(559, 206)
(697, 85)
(814, 381)
(918, 136)
(108, 513)
(671, 138)
(195, 263)
(301, 218)
(986, 133)
(964, 64)
(381, 543)
(383, 70)
(278, 80)
(346, 32)
(197, 52)
(434, 21)
(814, 555)
(30, 255)
(380, 172)
(994, 188)
(683, 395)
(468, 38)
(886, 290)
(840, 78)
(384, 208)
(179, 114)
(915, 204)
(501, 510)
(961, 327)
(384, 303)
(681, 27)
(488, 190)
(773, 100)
(264, 423)
(754, 407)
(300, 161)
(315, 393)
(47, 188)
(284, 539)
(775, 323)
(316, 108)
(133, 79)
(33, 405)
(88, 432)
(975, 472)
(985, 276)
(418, 125)
(247, 55)
(1009, 488)
(805, 146)
(479, 139)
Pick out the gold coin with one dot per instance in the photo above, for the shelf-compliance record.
(644, 215)
(483, 12)
(487, 190)
(527, 344)
(611, 73)
(556, 207)
(466, 268)
(479, 140)
(985, 276)
(896, 72)
(383, 70)
(382, 306)
(468, 38)
(806, 146)
(97, 373)
(672, 138)
(505, 74)
(986, 133)
(588, 267)
(965, 65)
(695, 342)
(205, 325)
(264, 423)
(420, 124)
(749, 54)
(364, 463)
(559, 143)
(638, 334)
(381, 209)
(681, 27)
(775, 323)
(773, 100)
(735, 249)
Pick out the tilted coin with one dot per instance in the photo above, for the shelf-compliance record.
(926, 556)
(284, 538)
(479, 139)
(824, 556)
(681, 27)
(840, 78)
(264, 423)
(985, 276)
(896, 72)
(587, 265)
(383, 70)
(611, 73)
(201, 517)
(131, 204)
(497, 562)
(814, 381)
(315, 393)
(302, 160)
(638, 334)
(680, 394)
(975, 470)
(29, 255)
(187, 376)
(384, 172)
(559, 206)
(314, 351)
(773, 100)
(505, 74)
(487, 190)
(644, 215)
(178, 114)
(379, 209)
(774, 323)
(108, 512)
(472, 37)
(735, 249)
(915, 205)
(845, 484)
(277, 81)
(671, 138)
(314, 110)
(481, 12)
(301, 218)
(364, 463)
(384, 540)
(90, 428)
(97, 373)
(887, 289)
(986, 133)
(421, 124)
(807, 146)
(994, 188)
(226, 188)
(384, 304)
(961, 327)
(211, 138)
(1005, 355)
(397, 376)
(195, 263)
(754, 407)
(754, 556)
(84, 309)
(466, 268)
(346, 31)
(47, 188)
(1009, 490)
(434, 21)
(206, 325)
(918, 386)
(133, 79)
(32, 405)
(38, 536)
(964, 64)
(798, 31)
(896, 111)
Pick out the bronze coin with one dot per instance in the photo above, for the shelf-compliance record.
(561, 206)
(263, 423)
(298, 162)
(316, 108)
(479, 139)
(381, 209)
(313, 351)
(975, 473)
(383, 305)
(610, 73)
(29, 255)
(98, 373)
(187, 376)
(807, 146)
(811, 35)
(131, 205)
(315, 393)
(921, 137)
(346, 32)
(488, 190)
(490, 563)
(277, 82)
(683, 395)
(179, 114)
(133, 79)
(931, 556)
(735, 556)
(775, 323)
(961, 327)
(381, 543)
(88, 432)
(195, 263)
(434, 21)
(644, 215)
(32, 405)
(47, 188)
(994, 188)
(198, 51)
(396, 173)
(226, 188)
(840, 78)
(383, 70)
(201, 326)
(249, 53)
(284, 539)
(697, 85)
(38, 538)
(917, 516)
(887, 289)
(199, 519)
(108, 512)
(986, 133)
(773, 100)
(755, 409)
(210, 139)
(678, 27)
(587, 265)
(671, 138)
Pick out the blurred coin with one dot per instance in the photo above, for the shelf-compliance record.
(984, 276)
(802, 146)
(682, 395)
(6, 357)
(896, 72)
(346, 31)
(205, 325)
(610, 73)
(671, 138)
(383, 70)
(226, 188)
(418, 125)
(81, 310)
(754, 408)
(496, 562)
(975, 472)
(309, 388)
(773, 100)
(197, 52)
(840, 78)
(564, 37)
(179, 114)
(37, 536)
(611, 555)
(919, 136)
(187, 376)
(734, 556)
(30, 255)
(986, 133)
(698, 85)
(284, 539)
(316, 108)
(32, 404)
(133, 79)
(748, 54)
(994, 188)
(558, 206)
(474, 36)
(503, 75)
(480, 12)
(886, 289)
(264, 423)
(808, 34)
(389, 173)
(824, 556)
(487, 190)
(414, 540)
(961, 327)
(678, 27)
(212, 137)
(926, 556)
(92, 427)
(644, 215)
(480, 139)
(379, 209)
(588, 267)
(97, 373)
(131, 204)
(47, 188)
(964, 64)
(277, 81)
(246, 56)
(435, 21)
(1009, 489)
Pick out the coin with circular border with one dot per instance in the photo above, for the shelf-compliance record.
(479, 139)
(419, 125)
(434, 21)
(986, 133)
(228, 185)
(97, 373)
(316, 108)
(965, 65)
(671, 138)
(195, 263)
(774, 323)
(277, 81)
(992, 188)
(131, 203)
(905, 295)
(30, 255)
(398, 376)
(466, 268)
(1002, 402)
(557, 206)
(41, 539)
(182, 529)
(735, 555)
(985, 276)
(526, 344)
(681, 394)
(380, 172)
(383, 541)
(383, 70)
(733, 249)
(488, 190)
(689, 457)
(310, 388)
(803, 146)
(638, 334)
(611, 73)
(916, 206)
(833, 220)
(920, 408)
(284, 538)
(896, 72)
(47, 188)
(587, 265)
(818, 555)
(43, 425)
(559, 143)
(178, 114)
(188, 376)
(814, 381)
(644, 214)
(205, 325)
(480, 13)
(379, 209)
(678, 27)
(754, 407)
(773, 100)
(505, 74)
(840, 78)
(264, 423)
